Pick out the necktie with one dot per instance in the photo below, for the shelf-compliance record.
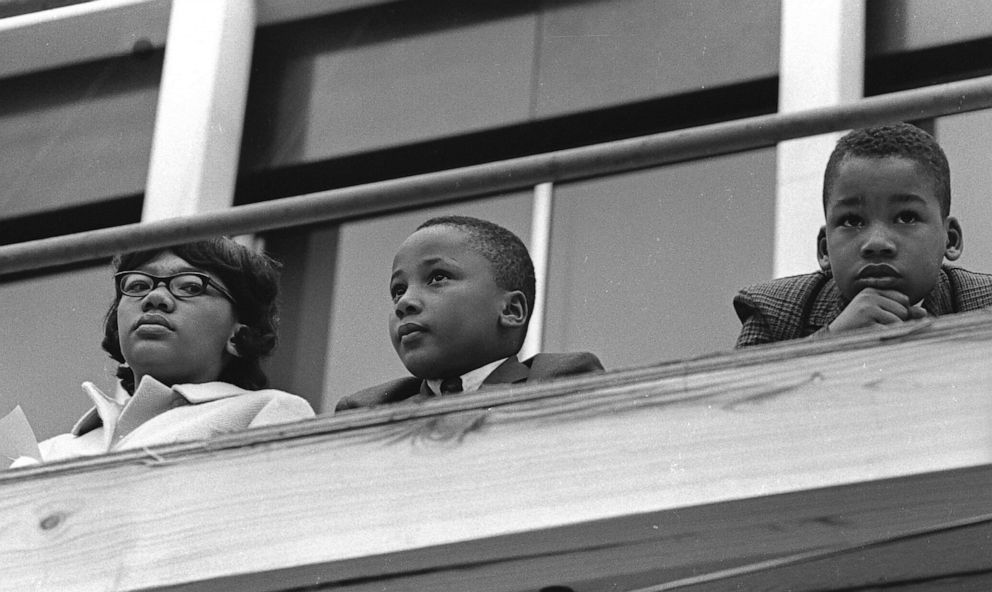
(450, 386)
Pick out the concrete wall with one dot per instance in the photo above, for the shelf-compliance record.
(964, 138)
(906, 25)
(52, 327)
(644, 266)
(76, 135)
(414, 71)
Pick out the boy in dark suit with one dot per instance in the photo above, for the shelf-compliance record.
(886, 200)
(462, 290)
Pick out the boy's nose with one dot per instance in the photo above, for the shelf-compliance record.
(407, 304)
(878, 243)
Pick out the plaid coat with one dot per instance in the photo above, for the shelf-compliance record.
(800, 305)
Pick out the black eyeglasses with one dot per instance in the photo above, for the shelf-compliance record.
(188, 284)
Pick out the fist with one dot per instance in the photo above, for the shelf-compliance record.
(873, 307)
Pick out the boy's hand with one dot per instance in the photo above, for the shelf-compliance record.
(874, 307)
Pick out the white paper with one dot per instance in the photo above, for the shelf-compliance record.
(17, 439)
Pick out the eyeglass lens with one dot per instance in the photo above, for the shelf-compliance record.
(183, 285)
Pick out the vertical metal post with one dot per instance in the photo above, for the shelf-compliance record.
(540, 249)
(201, 106)
(821, 65)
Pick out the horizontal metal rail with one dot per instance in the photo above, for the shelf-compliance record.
(475, 181)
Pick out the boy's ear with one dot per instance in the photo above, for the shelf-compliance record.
(229, 346)
(515, 310)
(821, 249)
(955, 239)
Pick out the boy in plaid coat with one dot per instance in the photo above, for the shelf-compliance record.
(886, 201)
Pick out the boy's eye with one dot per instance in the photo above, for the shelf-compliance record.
(907, 217)
(396, 291)
(851, 221)
(438, 276)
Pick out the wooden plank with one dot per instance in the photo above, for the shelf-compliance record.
(741, 545)
(955, 554)
(637, 478)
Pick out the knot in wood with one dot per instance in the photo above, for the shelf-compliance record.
(52, 521)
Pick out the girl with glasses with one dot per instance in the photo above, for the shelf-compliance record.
(189, 325)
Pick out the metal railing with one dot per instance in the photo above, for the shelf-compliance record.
(486, 179)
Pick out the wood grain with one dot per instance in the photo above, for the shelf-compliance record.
(813, 465)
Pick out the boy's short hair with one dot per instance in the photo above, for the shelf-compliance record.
(895, 139)
(511, 263)
(251, 277)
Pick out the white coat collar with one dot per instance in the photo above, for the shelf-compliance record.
(150, 398)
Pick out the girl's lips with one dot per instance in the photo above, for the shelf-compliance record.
(150, 329)
(151, 321)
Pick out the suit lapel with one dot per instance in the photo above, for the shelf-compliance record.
(509, 372)
(424, 393)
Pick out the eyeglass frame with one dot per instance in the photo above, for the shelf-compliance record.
(167, 280)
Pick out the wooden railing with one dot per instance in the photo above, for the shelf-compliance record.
(841, 464)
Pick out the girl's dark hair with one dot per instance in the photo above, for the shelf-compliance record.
(253, 280)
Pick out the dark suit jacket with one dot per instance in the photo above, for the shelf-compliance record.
(512, 371)
(800, 305)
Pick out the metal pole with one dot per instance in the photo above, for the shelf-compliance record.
(540, 253)
(496, 177)
(821, 63)
(201, 108)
